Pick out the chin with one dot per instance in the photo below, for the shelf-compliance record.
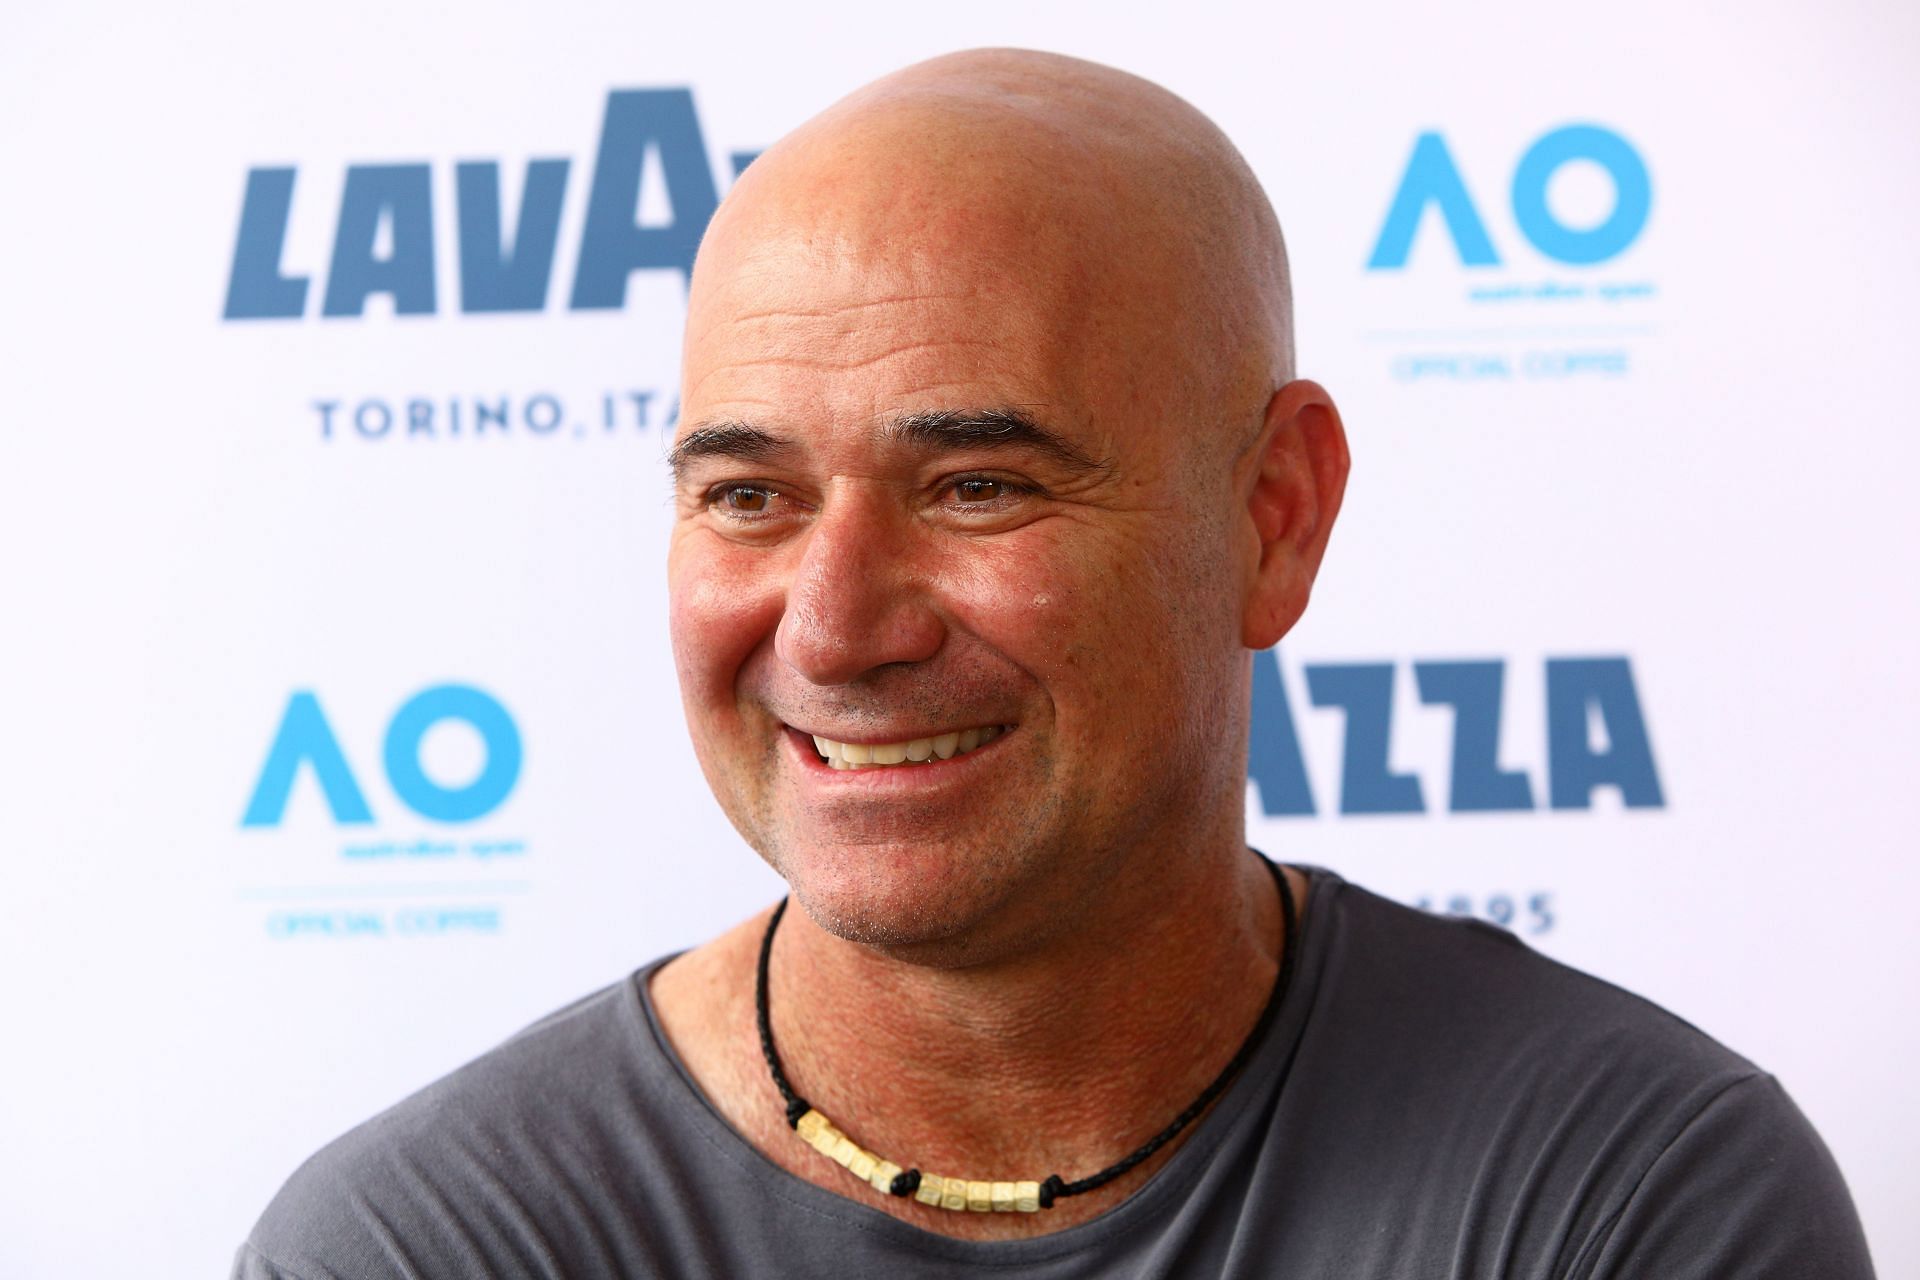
(899, 898)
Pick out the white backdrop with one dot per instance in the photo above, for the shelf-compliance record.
(1687, 460)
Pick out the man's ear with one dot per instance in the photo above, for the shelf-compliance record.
(1295, 476)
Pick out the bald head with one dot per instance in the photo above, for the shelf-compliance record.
(1123, 228)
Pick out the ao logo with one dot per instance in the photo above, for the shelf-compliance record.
(1432, 178)
(304, 737)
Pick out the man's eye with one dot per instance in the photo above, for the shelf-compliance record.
(979, 490)
(744, 499)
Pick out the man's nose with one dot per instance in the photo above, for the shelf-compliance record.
(857, 600)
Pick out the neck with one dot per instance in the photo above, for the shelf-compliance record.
(1059, 1059)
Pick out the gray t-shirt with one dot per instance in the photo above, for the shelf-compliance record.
(1434, 1100)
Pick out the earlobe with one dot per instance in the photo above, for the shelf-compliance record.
(1297, 478)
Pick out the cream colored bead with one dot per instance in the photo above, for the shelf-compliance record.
(809, 1125)
(1002, 1196)
(863, 1164)
(980, 1197)
(1026, 1197)
(930, 1189)
(825, 1139)
(954, 1195)
(883, 1175)
(844, 1151)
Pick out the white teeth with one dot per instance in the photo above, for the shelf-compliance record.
(945, 746)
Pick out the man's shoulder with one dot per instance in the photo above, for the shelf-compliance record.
(1454, 1072)
(509, 1129)
(571, 1057)
(1465, 989)
(1485, 1044)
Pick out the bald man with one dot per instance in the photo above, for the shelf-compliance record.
(992, 473)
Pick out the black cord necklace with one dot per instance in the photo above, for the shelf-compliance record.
(995, 1196)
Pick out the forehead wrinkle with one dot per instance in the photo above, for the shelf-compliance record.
(850, 365)
(821, 313)
(800, 311)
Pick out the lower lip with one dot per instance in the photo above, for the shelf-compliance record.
(890, 776)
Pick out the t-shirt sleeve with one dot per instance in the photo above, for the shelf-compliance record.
(353, 1211)
(250, 1264)
(1746, 1189)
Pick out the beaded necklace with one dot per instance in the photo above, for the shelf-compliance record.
(989, 1196)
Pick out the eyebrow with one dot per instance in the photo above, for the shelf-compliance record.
(932, 429)
(723, 440)
(1003, 428)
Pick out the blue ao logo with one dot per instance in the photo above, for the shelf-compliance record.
(1432, 178)
(1582, 694)
(390, 207)
(305, 738)
(1548, 274)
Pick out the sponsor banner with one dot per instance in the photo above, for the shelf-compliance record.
(343, 714)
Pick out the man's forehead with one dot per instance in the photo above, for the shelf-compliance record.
(779, 265)
(862, 230)
(851, 330)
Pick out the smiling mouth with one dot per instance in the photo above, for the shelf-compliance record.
(887, 755)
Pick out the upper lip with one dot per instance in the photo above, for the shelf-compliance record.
(867, 737)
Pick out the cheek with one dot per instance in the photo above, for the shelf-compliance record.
(1021, 599)
(721, 607)
(1126, 632)
(1078, 614)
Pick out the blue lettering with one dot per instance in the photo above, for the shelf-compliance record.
(1365, 692)
(304, 736)
(1574, 766)
(613, 245)
(370, 424)
(1473, 690)
(542, 414)
(437, 920)
(327, 924)
(496, 728)
(401, 195)
(1432, 178)
(495, 276)
(1273, 747)
(256, 290)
